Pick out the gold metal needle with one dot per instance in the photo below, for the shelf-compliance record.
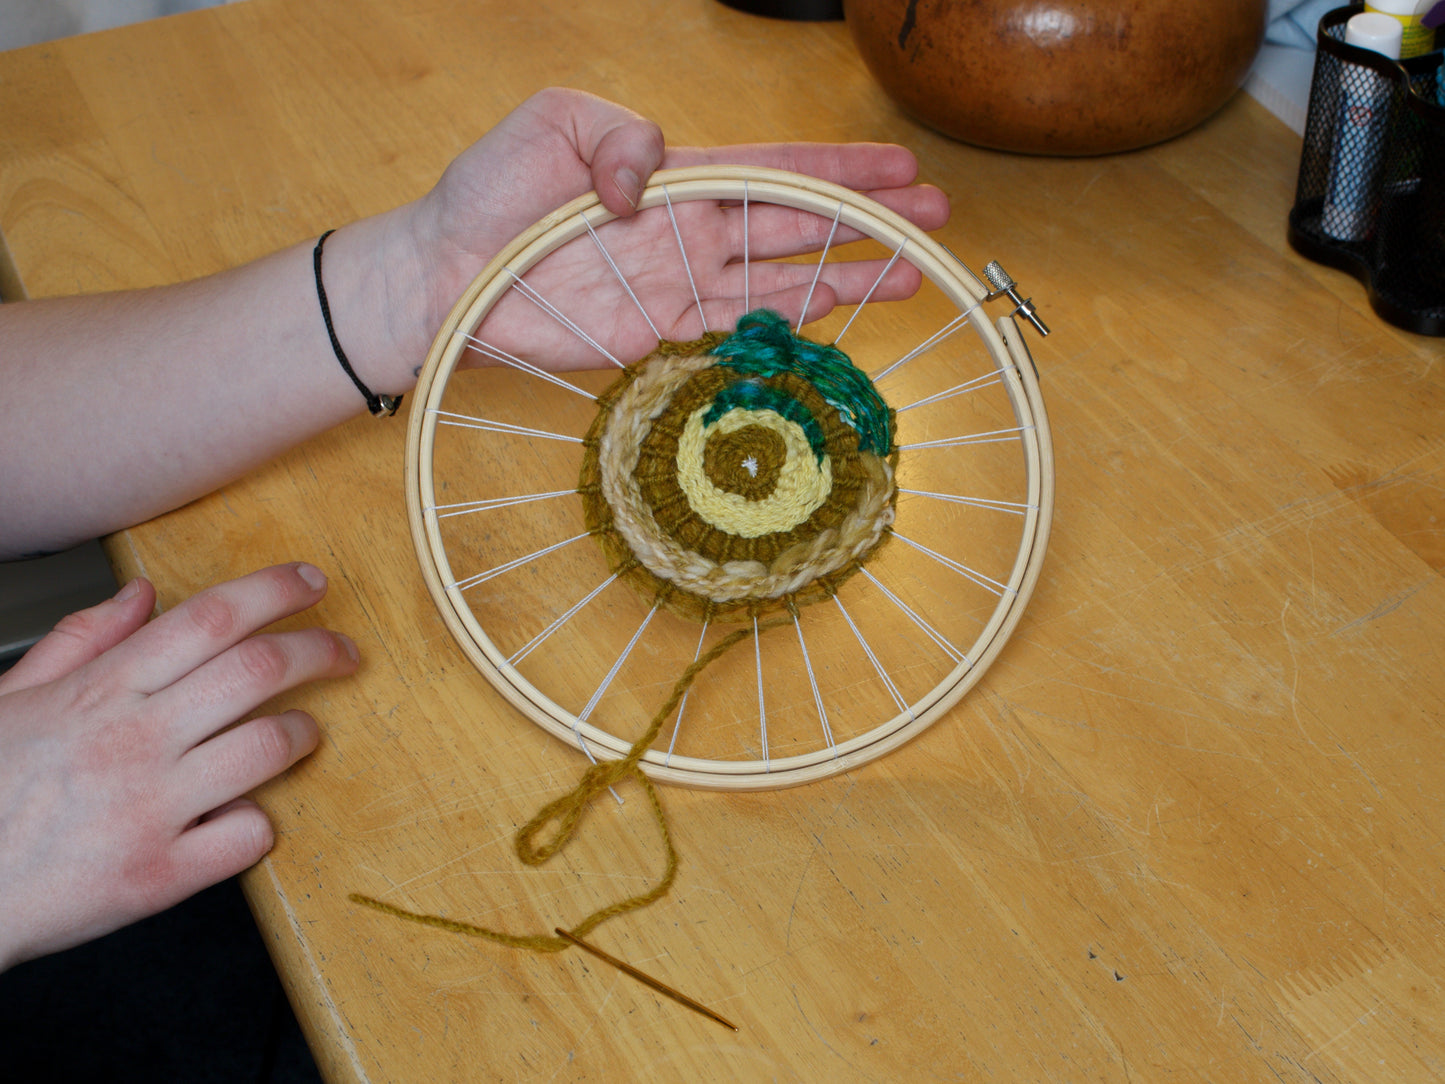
(647, 980)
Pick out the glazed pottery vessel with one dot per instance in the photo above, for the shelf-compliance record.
(1065, 77)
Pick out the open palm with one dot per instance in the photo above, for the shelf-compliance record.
(514, 177)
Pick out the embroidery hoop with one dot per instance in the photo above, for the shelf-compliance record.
(1000, 365)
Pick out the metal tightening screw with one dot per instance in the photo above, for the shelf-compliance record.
(1003, 284)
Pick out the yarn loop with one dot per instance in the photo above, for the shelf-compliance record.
(732, 478)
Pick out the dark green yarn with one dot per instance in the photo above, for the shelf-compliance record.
(764, 345)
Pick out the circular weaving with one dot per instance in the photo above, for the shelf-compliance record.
(737, 475)
(748, 560)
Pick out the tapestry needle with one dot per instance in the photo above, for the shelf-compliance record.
(645, 979)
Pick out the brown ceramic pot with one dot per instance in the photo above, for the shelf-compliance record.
(1059, 76)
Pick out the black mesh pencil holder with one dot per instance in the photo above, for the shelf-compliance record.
(1371, 192)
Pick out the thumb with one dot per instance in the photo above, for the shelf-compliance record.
(623, 159)
(80, 637)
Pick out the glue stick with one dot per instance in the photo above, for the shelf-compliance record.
(1360, 131)
(1417, 39)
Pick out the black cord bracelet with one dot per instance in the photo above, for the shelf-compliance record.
(379, 405)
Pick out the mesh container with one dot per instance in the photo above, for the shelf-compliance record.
(1371, 192)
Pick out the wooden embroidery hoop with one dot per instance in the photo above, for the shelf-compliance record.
(1005, 364)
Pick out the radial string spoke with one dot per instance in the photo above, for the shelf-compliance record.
(466, 421)
(877, 665)
(677, 724)
(747, 258)
(498, 354)
(868, 296)
(616, 666)
(993, 436)
(928, 630)
(976, 384)
(602, 688)
(531, 294)
(462, 508)
(546, 633)
(818, 272)
(618, 272)
(813, 681)
(482, 577)
(1013, 508)
(929, 343)
(682, 249)
(762, 707)
(986, 582)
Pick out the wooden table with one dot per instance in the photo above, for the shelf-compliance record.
(1189, 827)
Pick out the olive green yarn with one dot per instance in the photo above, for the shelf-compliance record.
(724, 462)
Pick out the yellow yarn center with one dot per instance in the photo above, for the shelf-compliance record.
(803, 483)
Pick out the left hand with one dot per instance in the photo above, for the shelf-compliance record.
(561, 144)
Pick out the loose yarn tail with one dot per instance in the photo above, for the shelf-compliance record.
(567, 811)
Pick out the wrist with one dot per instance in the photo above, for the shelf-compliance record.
(378, 302)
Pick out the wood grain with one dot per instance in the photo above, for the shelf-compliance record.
(1189, 827)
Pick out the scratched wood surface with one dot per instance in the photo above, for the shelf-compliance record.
(1189, 827)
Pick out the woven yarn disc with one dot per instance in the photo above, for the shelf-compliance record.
(740, 474)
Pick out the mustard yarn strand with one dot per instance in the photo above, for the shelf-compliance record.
(567, 812)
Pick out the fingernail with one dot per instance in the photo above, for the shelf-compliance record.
(313, 576)
(350, 645)
(128, 592)
(628, 184)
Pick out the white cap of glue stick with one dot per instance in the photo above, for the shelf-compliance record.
(1376, 32)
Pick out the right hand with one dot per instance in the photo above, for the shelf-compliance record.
(122, 762)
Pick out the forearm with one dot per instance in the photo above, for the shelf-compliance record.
(123, 406)
(120, 407)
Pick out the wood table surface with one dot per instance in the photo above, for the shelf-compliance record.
(1188, 827)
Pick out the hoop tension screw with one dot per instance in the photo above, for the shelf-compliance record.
(1003, 284)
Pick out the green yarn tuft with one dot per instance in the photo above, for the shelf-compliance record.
(764, 345)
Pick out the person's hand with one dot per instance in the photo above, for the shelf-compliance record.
(121, 774)
(560, 144)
